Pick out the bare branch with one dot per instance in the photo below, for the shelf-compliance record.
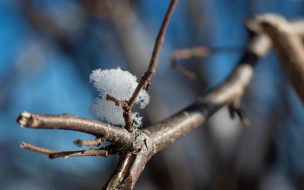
(65, 154)
(145, 79)
(186, 54)
(169, 130)
(136, 148)
(123, 104)
(233, 109)
(110, 133)
(132, 163)
(228, 93)
(149, 141)
(289, 48)
(254, 24)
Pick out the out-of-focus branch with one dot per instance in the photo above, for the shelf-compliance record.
(108, 132)
(145, 79)
(289, 48)
(186, 54)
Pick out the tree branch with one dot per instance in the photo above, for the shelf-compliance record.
(149, 141)
(65, 154)
(289, 48)
(186, 54)
(196, 52)
(136, 148)
(145, 79)
(132, 162)
(228, 93)
(108, 132)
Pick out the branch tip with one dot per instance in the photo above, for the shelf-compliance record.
(23, 145)
(24, 118)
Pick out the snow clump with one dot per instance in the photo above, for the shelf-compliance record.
(121, 85)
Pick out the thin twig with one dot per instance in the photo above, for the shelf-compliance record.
(122, 103)
(186, 54)
(145, 79)
(190, 52)
(65, 154)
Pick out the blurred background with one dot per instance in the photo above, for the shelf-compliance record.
(48, 48)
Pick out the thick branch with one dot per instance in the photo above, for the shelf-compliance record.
(289, 48)
(108, 132)
(195, 115)
(132, 163)
(228, 93)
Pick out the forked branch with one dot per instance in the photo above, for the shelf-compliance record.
(141, 145)
(136, 148)
(145, 79)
